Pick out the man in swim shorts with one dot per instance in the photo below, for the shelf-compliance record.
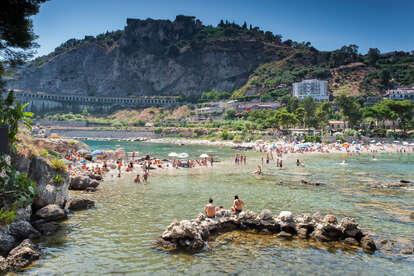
(237, 205)
(210, 209)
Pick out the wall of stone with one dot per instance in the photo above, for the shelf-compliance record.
(43, 102)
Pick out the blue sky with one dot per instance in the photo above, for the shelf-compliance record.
(327, 24)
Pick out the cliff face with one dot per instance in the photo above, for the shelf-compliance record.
(152, 57)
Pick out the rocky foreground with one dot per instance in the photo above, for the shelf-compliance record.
(51, 205)
(193, 234)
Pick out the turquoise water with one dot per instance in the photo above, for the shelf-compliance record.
(117, 236)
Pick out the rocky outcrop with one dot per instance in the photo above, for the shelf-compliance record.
(77, 204)
(22, 255)
(59, 145)
(46, 228)
(7, 242)
(22, 229)
(83, 183)
(48, 192)
(193, 234)
(153, 57)
(51, 212)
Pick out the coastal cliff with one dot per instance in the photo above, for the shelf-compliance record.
(152, 57)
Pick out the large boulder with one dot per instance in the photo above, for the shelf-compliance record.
(3, 265)
(82, 183)
(48, 192)
(368, 244)
(22, 229)
(19, 162)
(46, 228)
(24, 213)
(23, 255)
(7, 242)
(51, 212)
(77, 204)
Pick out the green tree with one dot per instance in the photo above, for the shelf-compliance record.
(287, 119)
(310, 106)
(300, 115)
(350, 109)
(323, 114)
(372, 56)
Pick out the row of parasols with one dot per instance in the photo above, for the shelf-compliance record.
(185, 155)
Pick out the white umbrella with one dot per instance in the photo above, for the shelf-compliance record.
(183, 155)
(204, 155)
(172, 154)
(379, 144)
(405, 143)
(373, 141)
(412, 144)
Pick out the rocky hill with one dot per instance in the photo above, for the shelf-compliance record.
(184, 57)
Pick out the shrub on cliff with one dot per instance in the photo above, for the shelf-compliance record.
(58, 165)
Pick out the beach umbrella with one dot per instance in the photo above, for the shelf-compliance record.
(405, 143)
(172, 154)
(357, 148)
(396, 141)
(412, 144)
(183, 155)
(372, 141)
(82, 151)
(204, 155)
(84, 161)
(97, 152)
(379, 144)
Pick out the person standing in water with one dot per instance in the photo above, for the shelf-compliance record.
(145, 176)
(137, 179)
(210, 209)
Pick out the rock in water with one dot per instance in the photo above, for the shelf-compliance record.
(7, 242)
(368, 243)
(22, 229)
(51, 212)
(47, 191)
(23, 255)
(46, 228)
(77, 204)
(265, 215)
(82, 183)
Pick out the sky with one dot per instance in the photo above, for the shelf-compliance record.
(327, 24)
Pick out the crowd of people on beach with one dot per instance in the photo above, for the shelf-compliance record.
(83, 162)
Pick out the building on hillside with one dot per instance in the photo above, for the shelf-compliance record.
(314, 88)
(401, 93)
(209, 110)
(370, 101)
(337, 125)
(252, 106)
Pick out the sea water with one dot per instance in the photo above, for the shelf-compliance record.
(117, 236)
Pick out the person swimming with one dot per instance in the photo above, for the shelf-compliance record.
(210, 209)
(258, 171)
(237, 205)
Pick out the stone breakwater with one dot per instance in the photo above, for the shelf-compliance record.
(193, 234)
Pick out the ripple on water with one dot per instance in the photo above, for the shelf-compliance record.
(117, 236)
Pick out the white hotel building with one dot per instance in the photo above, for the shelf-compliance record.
(316, 89)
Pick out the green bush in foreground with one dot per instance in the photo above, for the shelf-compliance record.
(7, 216)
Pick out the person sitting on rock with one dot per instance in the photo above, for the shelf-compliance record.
(237, 205)
(210, 209)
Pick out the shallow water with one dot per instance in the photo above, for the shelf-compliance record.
(116, 237)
